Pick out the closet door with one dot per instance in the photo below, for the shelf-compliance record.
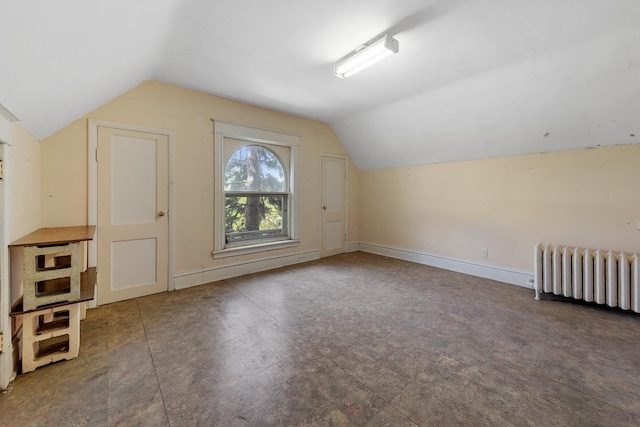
(133, 226)
(334, 211)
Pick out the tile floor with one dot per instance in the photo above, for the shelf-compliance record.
(355, 339)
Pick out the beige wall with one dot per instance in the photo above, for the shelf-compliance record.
(25, 197)
(587, 198)
(25, 182)
(187, 113)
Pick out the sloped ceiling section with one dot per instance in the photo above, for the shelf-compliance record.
(62, 59)
(473, 79)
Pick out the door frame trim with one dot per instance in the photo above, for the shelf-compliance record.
(346, 199)
(92, 219)
(8, 362)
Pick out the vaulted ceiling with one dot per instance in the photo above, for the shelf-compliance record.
(473, 78)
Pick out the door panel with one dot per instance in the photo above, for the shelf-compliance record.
(133, 263)
(133, 160)
(132, 222)
(333, 171)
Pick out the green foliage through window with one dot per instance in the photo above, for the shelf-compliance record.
(256, 195)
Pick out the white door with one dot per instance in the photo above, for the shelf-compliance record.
(333, 198)
(133, 227)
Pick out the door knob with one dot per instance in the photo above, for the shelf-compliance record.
(324, 208)
(161, 213)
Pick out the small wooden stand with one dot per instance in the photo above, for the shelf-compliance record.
(55, 294)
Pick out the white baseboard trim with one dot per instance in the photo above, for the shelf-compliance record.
(191, 278)
(500, 274)
(353, 247)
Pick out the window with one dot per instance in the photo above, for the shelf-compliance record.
(255, 201)
(256, 196)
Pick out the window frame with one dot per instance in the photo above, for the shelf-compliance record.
(283, 155)
(228, 134)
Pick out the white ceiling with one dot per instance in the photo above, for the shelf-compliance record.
(473, 78)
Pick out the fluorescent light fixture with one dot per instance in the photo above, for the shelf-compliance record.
(366, 55)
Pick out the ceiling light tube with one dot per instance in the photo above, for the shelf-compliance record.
(366, 56)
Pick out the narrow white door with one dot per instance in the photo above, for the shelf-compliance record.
(133, 228)
(333, 199)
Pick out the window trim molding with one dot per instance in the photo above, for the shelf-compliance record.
(258, 247)
(223, 130)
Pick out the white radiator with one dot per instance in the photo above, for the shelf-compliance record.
(603, 277)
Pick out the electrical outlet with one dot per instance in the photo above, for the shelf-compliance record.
(484, 253)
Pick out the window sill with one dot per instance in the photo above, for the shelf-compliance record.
(250, 249)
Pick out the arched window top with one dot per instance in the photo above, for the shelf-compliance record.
(254, 168)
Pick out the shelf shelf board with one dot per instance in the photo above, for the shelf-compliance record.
(87, 290)
(57, 235)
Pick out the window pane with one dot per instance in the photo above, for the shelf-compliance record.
(254, 168)
(255, 217)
